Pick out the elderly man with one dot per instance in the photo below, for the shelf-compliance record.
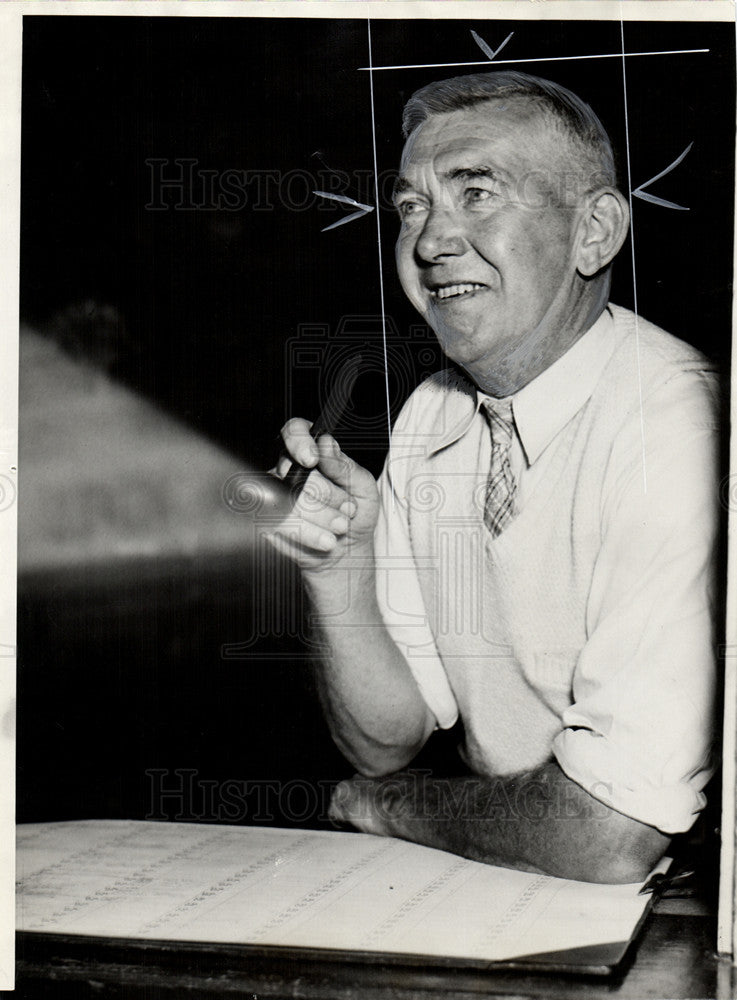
(535, 564)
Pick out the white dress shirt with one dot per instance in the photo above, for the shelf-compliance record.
(584, 632)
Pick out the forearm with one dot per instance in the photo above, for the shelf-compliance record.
(373, 706)
(541, 821)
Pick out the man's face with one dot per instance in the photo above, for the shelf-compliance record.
(486, 248)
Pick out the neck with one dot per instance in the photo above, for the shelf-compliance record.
(551, 339)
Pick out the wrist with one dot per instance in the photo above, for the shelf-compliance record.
(346, 584)
(358, 564)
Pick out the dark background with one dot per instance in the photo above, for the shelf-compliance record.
(205, 311)
(209, 297)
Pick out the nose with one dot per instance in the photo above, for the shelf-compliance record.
(441, 236)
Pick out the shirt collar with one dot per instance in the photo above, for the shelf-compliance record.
(544, 406)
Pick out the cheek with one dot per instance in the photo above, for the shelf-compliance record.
(403, 255)
(407, 269)
(539, 254)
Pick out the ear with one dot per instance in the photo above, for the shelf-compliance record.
(604, 224)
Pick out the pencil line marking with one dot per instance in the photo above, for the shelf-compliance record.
(632, 245)
(502, 62)
(378, 241)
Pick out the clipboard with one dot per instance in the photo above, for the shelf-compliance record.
(256, 895)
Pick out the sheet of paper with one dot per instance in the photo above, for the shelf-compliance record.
(257, 885)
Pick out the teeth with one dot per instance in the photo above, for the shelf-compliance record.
(451, 290)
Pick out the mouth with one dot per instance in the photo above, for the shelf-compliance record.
(443, 292)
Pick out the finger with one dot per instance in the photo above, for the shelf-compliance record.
(299, 442)
(321, 504)
(319, 493)
(295, 553)
(327, 445)
(352, 802)
(318, 490)
(343, 471)
(320, 515)
(338, 809)
(283, 465)
(293, 537)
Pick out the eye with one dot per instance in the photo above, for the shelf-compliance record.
(478, 195)
(409, 207)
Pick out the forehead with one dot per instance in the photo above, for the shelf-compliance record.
(511, 135)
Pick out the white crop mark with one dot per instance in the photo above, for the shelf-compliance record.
(362, 209)
(487, 49)
(640, 192)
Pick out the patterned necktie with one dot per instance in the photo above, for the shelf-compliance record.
(500, 486)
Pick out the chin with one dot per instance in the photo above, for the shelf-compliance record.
(463, 349)
(468, 360)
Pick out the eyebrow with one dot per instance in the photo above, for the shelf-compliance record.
(468, 173)
(400, 184)
(458, 173)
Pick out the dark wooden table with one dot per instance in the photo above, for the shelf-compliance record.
(673, 958)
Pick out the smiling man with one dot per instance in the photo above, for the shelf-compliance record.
(535, 566)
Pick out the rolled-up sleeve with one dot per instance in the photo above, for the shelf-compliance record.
(639, 735)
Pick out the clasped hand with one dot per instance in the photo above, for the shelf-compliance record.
(372, 805)
(338, 508)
